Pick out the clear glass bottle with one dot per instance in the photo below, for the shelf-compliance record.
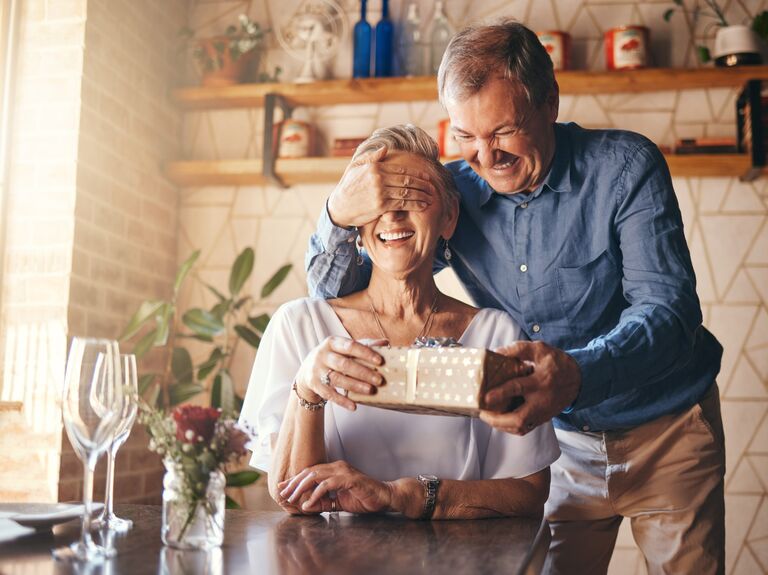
(190, 522)
(385, 36)
(439, 36)
(361, 50)
(411, 45)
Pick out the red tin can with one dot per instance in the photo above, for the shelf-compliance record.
(558, 46)
(627, 48)
(449, 147)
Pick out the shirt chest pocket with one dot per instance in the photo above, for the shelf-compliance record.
(588, 291)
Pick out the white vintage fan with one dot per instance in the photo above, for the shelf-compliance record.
(313, 35)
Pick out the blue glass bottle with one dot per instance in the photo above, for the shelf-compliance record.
(385, 36)
(361, 56)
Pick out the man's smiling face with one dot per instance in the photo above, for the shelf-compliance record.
(507, 141)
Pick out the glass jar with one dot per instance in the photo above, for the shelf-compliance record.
(190, 522)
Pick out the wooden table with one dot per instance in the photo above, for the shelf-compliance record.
(273, 542)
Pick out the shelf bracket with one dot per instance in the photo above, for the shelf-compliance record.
(750, 129)
(269, 151)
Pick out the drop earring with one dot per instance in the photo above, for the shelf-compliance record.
(359, 243)
(447, 252)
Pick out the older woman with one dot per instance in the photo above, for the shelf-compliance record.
(325, 453)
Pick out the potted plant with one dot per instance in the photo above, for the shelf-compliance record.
(225, 60)
(222, 327)
(735, 45)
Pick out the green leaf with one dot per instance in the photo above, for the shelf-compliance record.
(205, 368)
(230, 503)
(241, 271)
(760, 24)
(275, 280)
(250, 336)
(668, 14)
(216, 292)
(259, 322)
(222, 392)
(704, 54)
(163, 320)
(184, 268)
(180, 392)
(242, 301)
(146, 311)
(242, 478)
(203, 322)
(146, 342)
(221, 309)
(181, 365)
(145, 381)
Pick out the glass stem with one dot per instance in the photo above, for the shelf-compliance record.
(87, 502)
(108, 499)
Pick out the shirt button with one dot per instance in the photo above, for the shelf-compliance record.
(524, 205)
(585, 428)
(523, 268)
(536, 328)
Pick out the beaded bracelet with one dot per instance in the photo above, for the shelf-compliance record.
(308, 405)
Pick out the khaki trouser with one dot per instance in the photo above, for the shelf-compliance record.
(666, 476)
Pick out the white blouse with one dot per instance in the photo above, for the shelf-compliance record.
(381, 443)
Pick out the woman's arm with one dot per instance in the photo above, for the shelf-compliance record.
(359, 493)
(475, 499)
(301, 443)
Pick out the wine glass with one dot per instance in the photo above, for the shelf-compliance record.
(108, 519)
(92, 402)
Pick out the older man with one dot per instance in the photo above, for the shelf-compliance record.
(578, 235)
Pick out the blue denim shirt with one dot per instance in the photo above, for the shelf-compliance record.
(594, 262)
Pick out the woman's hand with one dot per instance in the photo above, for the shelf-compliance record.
(355, 491)
(339, 359)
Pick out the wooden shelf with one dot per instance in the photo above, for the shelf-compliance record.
(329, 170)
(370, 90)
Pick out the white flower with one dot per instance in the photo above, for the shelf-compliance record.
(189, 435)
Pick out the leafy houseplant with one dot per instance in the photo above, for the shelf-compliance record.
(222, 327)
(712, 11)
(224, 60)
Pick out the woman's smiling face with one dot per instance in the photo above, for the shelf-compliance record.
(400, 242)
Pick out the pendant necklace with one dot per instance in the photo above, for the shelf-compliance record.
(424, 329)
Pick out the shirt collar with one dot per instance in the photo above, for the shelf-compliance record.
(558, 179)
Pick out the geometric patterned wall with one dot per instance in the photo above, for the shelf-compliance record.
(726, 221)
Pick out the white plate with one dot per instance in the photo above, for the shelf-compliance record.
(43, 515)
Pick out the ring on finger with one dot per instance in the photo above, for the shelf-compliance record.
(325, 379)
(333, 506)
(406, 191)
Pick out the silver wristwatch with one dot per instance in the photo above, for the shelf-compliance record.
(430, 483)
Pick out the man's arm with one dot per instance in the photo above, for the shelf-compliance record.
(655, 335)
(331, 261)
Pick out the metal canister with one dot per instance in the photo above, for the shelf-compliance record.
(558, 46)
(449, 147)
(627, 48)
(294, 139)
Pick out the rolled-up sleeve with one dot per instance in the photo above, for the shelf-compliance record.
(655, 335)
(331, 261)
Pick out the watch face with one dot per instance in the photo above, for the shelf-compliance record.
(425, 477)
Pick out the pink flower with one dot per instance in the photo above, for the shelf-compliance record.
(194, 423)
(236, 442)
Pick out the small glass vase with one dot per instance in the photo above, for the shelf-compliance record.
(190, 523)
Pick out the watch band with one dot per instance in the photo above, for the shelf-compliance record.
(430, 483)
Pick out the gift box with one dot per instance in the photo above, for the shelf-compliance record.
(441, 380)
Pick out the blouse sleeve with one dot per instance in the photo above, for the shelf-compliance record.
(277, 362)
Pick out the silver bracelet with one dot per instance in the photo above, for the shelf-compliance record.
(308, 405)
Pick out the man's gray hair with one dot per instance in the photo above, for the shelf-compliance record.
(506, 48)
(409, 138)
